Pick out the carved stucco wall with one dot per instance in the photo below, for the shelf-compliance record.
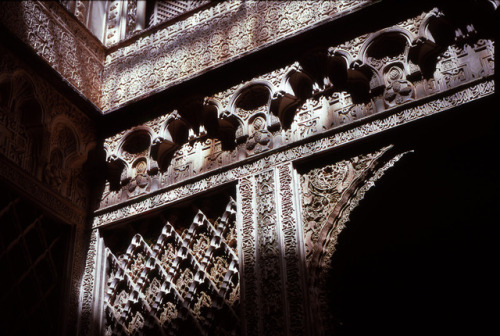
(64, 43)
(207, 39)
(294, 103)
(254, 136)
(288, 222)
(43, 133)
(211, 37)
(44, 142)
(186, 282)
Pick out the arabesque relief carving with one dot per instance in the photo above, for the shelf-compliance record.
(180, 283)
(169, 194)
(358, 65)
(329, 194)
(324, 90)
(42, 133)
(180, 51)
(61, 41)
(258, 268)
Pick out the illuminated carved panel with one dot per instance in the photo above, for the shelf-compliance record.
(182, 50)
(329, 194)
(181, 284)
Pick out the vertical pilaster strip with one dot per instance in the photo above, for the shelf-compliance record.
(291, 257)
(87, 288)
(301, 252)
(99, 287)
(77, 268)
(269, 268)
(248, 283)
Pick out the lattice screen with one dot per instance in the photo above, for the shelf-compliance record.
(33, 251)
(169, 9)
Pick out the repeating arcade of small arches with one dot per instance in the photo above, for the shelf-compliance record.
(179, 285)
(383, 72)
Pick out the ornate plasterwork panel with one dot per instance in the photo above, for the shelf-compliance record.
(60, 40)
(269, 270)
(292, 250)
(328, 196)
(179, 284)
(329, 141)
(302, 100)
(249, 295)
(230, 30)
(43, 133)
(272, 289)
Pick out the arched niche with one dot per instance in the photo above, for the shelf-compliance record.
(21, 106)
(386, 44)
(253, 97)
(136, 142)
(64, 138)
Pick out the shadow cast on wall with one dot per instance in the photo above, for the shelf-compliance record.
(418, 253)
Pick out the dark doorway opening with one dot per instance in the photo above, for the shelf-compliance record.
(418, 256)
